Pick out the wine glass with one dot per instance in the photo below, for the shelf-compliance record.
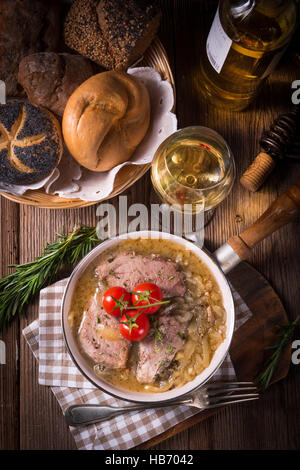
(193, 170)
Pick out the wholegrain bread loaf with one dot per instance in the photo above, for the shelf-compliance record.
(114, 34)
(129, 28)
(82, 33)
(49, 79)
(30, 143)
(105, 119)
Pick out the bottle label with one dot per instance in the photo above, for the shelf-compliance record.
(218, 44)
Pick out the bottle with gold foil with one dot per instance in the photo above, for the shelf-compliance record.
(244, 45)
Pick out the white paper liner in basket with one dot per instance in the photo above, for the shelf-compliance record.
(70, 180)
(18, 190)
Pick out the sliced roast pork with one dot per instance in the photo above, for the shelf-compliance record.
(129, 269)
(158, 349)
(100, 338)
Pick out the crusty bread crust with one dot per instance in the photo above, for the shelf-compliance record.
(105, 120)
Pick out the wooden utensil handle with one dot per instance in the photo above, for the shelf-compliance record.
(283, 210)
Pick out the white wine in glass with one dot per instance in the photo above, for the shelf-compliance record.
(193, 166)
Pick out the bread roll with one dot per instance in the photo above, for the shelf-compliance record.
(30, 143)
(105, 120)
(49, 79)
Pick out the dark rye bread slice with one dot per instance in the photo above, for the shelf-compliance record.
(129, 28)
(82, 33)
(30, 143)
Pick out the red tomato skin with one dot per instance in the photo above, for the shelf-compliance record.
(137, 334)
(109, 303)
(155, 293)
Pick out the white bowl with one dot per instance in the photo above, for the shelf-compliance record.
(82, 363)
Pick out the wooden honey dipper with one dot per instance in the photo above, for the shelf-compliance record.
(276, 143)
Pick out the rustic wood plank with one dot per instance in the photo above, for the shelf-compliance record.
(9, 372)
(271, 423)
(42, 425)
(48, 429)
(278, 257)
(250, 340)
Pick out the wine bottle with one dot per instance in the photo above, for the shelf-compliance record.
(245, 43)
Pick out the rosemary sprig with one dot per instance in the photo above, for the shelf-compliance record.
(19, 288)
(285, 334)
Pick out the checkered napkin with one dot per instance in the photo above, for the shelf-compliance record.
(57, 370)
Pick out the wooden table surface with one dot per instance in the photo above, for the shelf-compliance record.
(30, 417)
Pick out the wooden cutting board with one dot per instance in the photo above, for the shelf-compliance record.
(247, 350)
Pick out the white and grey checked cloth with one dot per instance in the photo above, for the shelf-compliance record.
(56, 369)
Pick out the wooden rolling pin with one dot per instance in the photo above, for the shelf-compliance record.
(283, 210)
(276, 143)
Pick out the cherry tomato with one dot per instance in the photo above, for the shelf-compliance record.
(116, 300)
(147, 294)
(134, 325)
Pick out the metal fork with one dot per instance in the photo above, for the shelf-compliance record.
(207, 397)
